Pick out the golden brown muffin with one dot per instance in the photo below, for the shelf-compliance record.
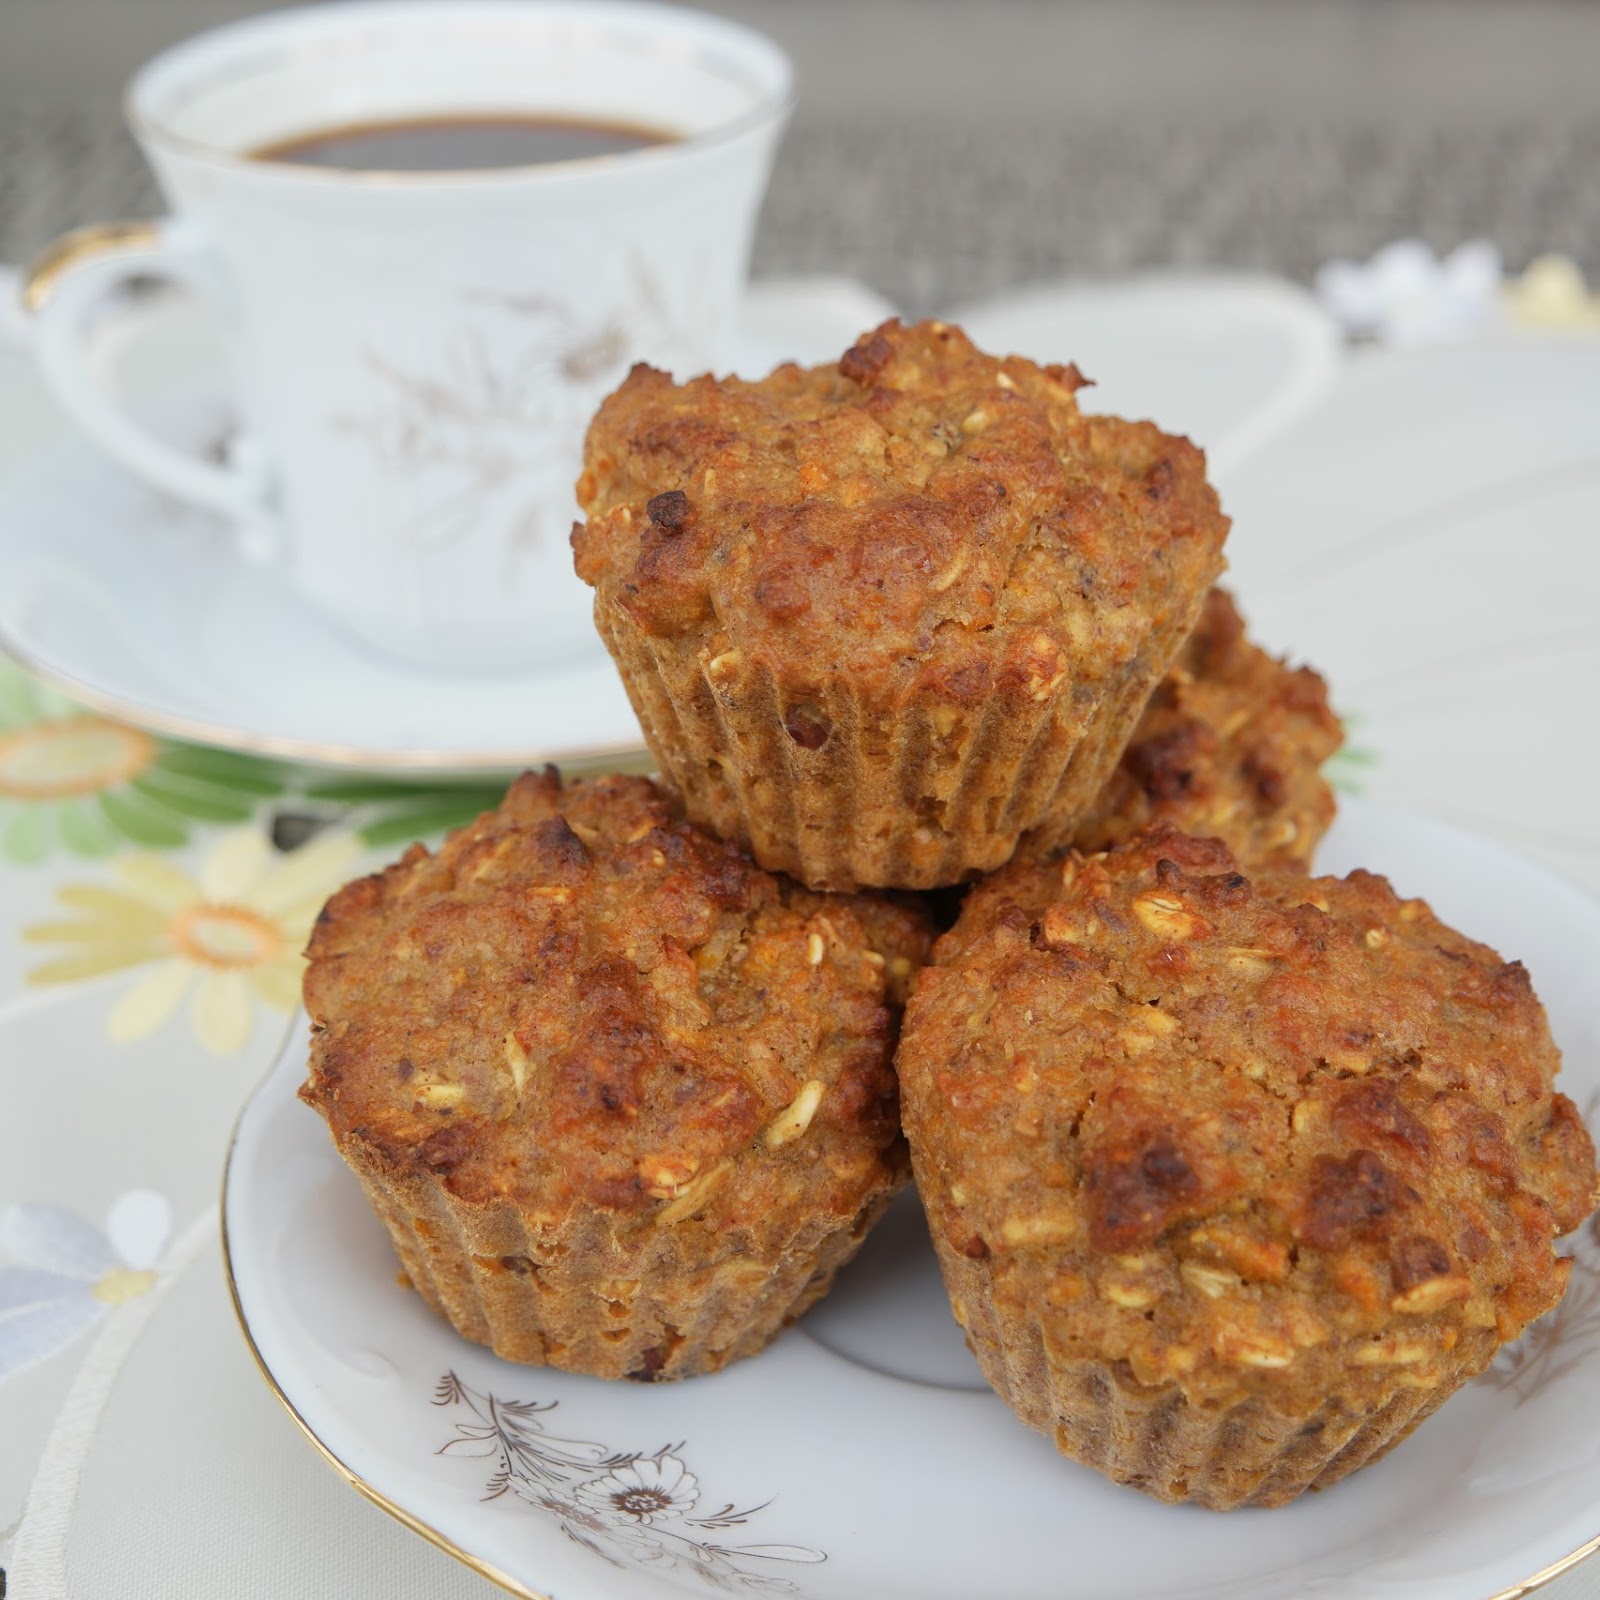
(1232, 1180)
(624, 1100)
(1231, 745)
(882, 618)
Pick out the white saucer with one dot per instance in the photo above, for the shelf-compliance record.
(860, 1457)
(142, 609)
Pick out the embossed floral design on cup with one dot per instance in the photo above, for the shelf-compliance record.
(417, 353)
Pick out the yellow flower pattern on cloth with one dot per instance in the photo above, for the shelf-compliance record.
(231, 937)
(1552, 294)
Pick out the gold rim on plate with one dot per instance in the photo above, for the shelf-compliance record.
(1517, 1591)
(483, 1568)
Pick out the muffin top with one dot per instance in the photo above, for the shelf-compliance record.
(581, 1001)
(928, 519)
(1232, 745)
(1278, 1134)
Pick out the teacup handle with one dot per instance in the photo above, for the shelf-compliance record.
(62, 287)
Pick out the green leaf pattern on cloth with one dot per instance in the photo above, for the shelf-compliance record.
(74, 781)
(1347, 767)
(390, 811)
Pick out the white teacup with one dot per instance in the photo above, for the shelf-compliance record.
(417, 354)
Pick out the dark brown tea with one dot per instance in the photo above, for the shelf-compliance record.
(460, 144)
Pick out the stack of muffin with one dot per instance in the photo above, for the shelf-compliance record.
(1234, 1173)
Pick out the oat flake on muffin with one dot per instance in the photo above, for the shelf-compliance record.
(624, 1100)
(1233, 1180)
(881, 619)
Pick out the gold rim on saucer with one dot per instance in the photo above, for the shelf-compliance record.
(350, 1476)
(622, 755)
(39, 280)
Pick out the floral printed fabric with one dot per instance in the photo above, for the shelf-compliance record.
(68, 1275)
(74, 781)
(221, 942)
(1407, 295)
(172, 887)
(230, 937)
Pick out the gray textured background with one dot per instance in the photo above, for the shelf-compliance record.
(946, 148)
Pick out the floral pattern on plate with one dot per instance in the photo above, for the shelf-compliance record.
(629, 1508)
(1564, 1338)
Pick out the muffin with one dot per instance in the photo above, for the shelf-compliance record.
(1232, 1180)
(883, 618)
(1232, 745)
(623, 1100)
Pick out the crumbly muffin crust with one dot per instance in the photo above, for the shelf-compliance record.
(882, 617)
(1231, 745)
(624, 1099)
(1233, 1179)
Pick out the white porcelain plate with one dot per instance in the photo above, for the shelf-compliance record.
(860, 1457)
(142, 608)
